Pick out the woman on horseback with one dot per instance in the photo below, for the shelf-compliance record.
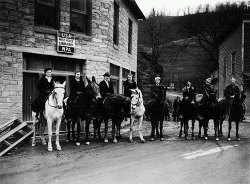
(208, 90)
(157, 91)
(45, 87)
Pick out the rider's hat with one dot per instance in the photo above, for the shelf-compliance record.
(208, 80)
(47, 69)
(107, 74)
(157, 77)
(233, 79)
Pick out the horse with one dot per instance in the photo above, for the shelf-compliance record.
(235, 114)
(86, 107)
(222, 113)
(137, 112)
(53, 113)
(115, 107)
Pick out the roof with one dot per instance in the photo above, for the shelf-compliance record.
(135, 9)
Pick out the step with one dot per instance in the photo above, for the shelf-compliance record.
(12, 131)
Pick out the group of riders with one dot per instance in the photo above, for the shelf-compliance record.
(158, 95)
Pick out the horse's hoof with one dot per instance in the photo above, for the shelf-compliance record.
(151, 139)
(114, 140)
(216, 138)
(87, 143)
(44, 142)
(131, 140)
(33, 144)
(206, 138)
(193, 138)
(106, 140)
(50, 149)
(229, 139)
(143, 141)
(186, 138)
(78, 144)
(180, 135)
(59, 148)
(162, 139)
(238, 139)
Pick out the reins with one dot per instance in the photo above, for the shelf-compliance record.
(55, 106)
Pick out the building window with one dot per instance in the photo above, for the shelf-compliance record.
(225, 67)
(233, 63)
(130, 29)
(114, 77)
(125, 73)
(79, 16)
(116, 24)
(47, 13)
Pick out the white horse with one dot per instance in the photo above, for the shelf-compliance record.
(53, 113)
(137, 112)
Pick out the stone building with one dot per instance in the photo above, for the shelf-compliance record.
(234, 59)
(94, 36)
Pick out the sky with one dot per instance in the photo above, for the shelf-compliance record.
(175, 7)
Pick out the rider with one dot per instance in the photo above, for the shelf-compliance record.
(158, 91)
(106, 87)
(45, 87)
(189, 93)
(208, 90)
(230, 92)
(77, 87)
(127, 85)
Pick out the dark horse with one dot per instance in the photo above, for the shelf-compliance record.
(115, 107)
(235, 114)
(86, 107)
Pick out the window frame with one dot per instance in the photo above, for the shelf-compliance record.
(56, 6)
(86, 12)
(233, 63)
(116, 23)
(130, 35)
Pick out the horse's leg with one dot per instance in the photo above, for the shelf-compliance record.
(58, 123)
(186, 128)
(34, 128)
(114, 123)
(68, 130)
(73, 128)
(106, 121)
(131, 129)
(78, 131)
(206, 121)
(99, 122)
(182, 122)
(161, 130)
(220, 127)
(200, 126)
(88, 121)
(157, 128)
(216, 128)
(193, 123)
(49, 122)
(118, 126)
(153, 129)
(95, 126)
(140, 129)
(237, 130)
(229, 129)
(42, 128)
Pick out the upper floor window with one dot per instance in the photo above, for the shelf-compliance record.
(46, 13)
(116, 24)
(233, 63)
(79, 16)
(115, 77)
(130, 29)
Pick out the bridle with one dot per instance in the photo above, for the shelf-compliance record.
(138, 100)
(53, 93)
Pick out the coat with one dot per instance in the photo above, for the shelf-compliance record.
(231, 90)
(106, 90)
(189, 92)
(127, 86)
(76, 87)
(158, 92)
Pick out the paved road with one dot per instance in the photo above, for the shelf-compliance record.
(172, 161)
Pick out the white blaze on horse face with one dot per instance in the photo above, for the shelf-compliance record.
(59, 93)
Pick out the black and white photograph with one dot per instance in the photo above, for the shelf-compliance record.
(125, 91)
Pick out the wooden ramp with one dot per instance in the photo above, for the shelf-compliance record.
(12, 133)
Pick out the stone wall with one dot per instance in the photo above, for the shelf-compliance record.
(19, 35)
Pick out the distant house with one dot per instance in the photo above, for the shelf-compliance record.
(234, 59)
(93, 36)
(182, 62)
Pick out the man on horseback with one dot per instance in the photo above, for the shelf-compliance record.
(231, 91)
(189, 93)
(208, 90)
(128, 85)
(158, 91)
(45, 87)
(77, 87)
(106, 87)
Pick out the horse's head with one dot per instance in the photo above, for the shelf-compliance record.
(136, 98)
(93, 90)
(58, 94)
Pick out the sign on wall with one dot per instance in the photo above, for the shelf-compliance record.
(65, 42)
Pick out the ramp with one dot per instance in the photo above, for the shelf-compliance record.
(12, 133)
